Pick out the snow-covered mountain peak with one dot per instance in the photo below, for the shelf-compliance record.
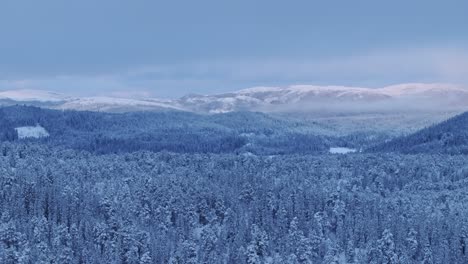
(313, 97)
(111, 104)
(290, 98)
(259, 89)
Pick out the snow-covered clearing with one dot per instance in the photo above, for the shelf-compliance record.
(32, 132)
(340, 150)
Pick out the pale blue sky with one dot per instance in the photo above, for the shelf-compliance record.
(171, 48)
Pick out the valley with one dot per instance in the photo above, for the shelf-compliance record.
(172, 186)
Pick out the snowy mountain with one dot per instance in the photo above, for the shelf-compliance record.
(110, 104)
(266, 99)
(308, 97)
(99, 103)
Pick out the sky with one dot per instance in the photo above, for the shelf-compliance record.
(167, 49)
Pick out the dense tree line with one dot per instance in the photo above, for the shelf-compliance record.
(180, 132)
(69, 206)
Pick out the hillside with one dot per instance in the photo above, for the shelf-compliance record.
(175, 131)
(450, 136)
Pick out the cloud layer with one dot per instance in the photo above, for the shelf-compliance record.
(372, 69)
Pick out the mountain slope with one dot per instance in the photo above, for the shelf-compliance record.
(450, 137)
(175, 131)
(110, 104)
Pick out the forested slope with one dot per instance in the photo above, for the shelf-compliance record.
(176, 187)
(183, 132)
(450, 136)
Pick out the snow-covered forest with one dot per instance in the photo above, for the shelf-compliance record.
(234, 188)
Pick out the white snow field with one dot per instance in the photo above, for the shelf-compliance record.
(340, 150)
(32, 132)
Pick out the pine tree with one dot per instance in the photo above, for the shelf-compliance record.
(146, 259)
(257, 250)
(14, 245)
(302, 248)
(62, 245)
(427, 255)
(294, 235)
(208, 241)
(247, 194)
(412, 244)
(350, 252)
(387, 247)
(252, 255)
(331, 256)
(304, 251)
(189, 252)
(374, 254)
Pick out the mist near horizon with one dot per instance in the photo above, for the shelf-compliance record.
(171, 49)
(233, 132)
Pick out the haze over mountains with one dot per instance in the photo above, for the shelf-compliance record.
(295, 98)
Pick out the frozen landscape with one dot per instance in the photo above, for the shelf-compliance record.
(296, 98)
(167, 185)
(233, 132)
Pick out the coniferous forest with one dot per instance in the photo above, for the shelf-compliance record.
(233, 132)
(176, 187)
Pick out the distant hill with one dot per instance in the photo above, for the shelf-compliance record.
(294, 98)
(450, 136)
(174, 131)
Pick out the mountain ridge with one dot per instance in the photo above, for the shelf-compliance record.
(263, 99)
